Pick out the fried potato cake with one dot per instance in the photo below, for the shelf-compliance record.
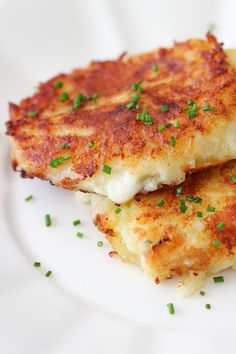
(185, 230)
(131, 125)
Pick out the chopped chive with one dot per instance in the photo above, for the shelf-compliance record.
(48, 221)
(190, 102)
(211, 209)
(206, 107)
(172, 141)
(183, 206)
(160, 203)
(219, 279)
(179, 191)
(32, 114)
(186, 109)
(64, 97)
(167, 125)
(144, 116)
(202, 293)
(171, 308)
(154, 67)
(64, 147)
(233, 178)
(220, 226)
(161, 128)
(216, 243)
(80, 234)
(199, 214)
(48, 274)
(192, 113)
(78, 100)
(117, 210)
(58, 84)
(191, 198)
(149, 242)
(208, 306)
(164, 108)
(134, 100)
(99, 243)
(76, 222)
(59, 160)
(37, 264)
(107, 169)
(137, 86)
(176, 124)
(149, 123)
(91, 144)
(27, 199)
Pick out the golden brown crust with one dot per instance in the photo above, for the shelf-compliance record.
(178, 243)
(195, 69)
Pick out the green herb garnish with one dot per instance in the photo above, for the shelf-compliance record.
(160, 203)
(64, 147)
(64, 97)
(91, 144)
(76, 222)
(216, 243)
(134, 100)
(58, 84)
(99, 243)
(48, 220)
(137, 86)
(107, 169)
(208, 306)
(211, 209)
(199, 214)
(191, 198)
(206, 107)
(37, 264)
(176, 123)
(164, 108)
(220, 226)
(161, 128)
(80, 234)
(30, 197)
(183, 206)
(179, 191)
(219, 279)
(172, 141)
(171, 308)
(32, 114)
(117, 210)
(48, 274)
(233, 178)
(59, 160)
(154, 67)
(202, 293)
(77, 101)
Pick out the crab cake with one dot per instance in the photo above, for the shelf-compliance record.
(131, 125)
(184, 230)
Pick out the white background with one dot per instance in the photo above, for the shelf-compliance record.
(39, 39)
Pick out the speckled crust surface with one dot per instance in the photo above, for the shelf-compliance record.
(195, 70)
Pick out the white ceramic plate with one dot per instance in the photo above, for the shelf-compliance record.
(91, 301)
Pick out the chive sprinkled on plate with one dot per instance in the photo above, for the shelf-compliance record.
(137, 86)
(206, 107)
(134, 100)
(58, 84)
(179, 191)
(164, 108)
(160, 203)
(191, 198)
(30, 197)
(199, 214)
(233, 178)
(208, 306)
(37, 264)
(220, 226)
(64, 147)
(171, 308)
(76, 222)
(64, 97)
(160, 128)
(172, 141)
(183, 206)
(99, 243)
(91, 144)
(167, 125)
(117, 210)
(154, 67)
(80, 234)
(176, 124)
(32, 114)
(219, 279)
(48, 274)
(48, 220)
(210, 209)
(59, 160)
(216, 243)
(202, 293)
(106, 169)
